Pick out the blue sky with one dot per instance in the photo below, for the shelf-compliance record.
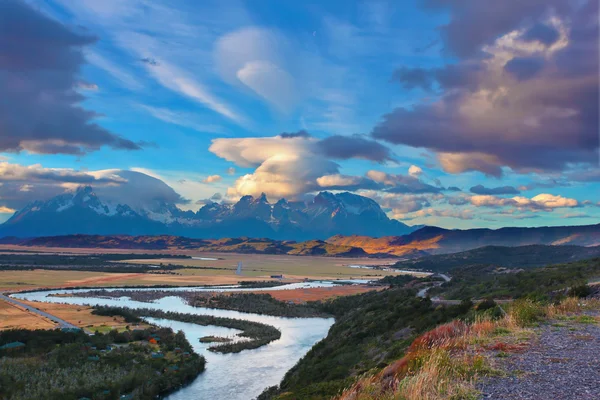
(451, 93)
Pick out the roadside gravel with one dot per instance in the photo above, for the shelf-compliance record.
(563, 362)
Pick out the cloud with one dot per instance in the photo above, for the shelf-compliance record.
(356, 146)
(474, 24)
(431, 212)
(346, 182)
(540, 116)
(575, 215)
(212, 179)
(125, 78)
(399, 204)
(543, 33)
(544, 201)
(396, 183)
(40, 61)
(480, 189)
(253, 57)
(415, 171)
(178, 80)
(36, 173)
(291, 135)
(23, 184)
(181, 118)
(230, 171)
(290, 165)
(6, 210)
(524, 68)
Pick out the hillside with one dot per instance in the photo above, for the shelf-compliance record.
(433, 240)
(166, 242)
(517, 257)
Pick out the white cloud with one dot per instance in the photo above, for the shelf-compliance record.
(212, 179)
(255, 57)
(544, 201)
(124, 77)
(181, 118)
(338, 180)
(415, 171)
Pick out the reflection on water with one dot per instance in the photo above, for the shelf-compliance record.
(239, 376)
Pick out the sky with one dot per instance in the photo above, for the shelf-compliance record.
(446, 112)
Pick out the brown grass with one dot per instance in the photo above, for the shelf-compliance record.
(15, 317)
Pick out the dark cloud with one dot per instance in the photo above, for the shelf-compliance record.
(474, 23)
(543, 33)
(454, 189)
(347, 182)
(411, 78)
(301, 133)
(524, 68)
(480, 189)
(462, 75)
(458, 201)
(40, 61)
(356, 146)
(487, 119)
(397, 183)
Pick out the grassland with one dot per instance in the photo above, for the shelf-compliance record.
(261, 265)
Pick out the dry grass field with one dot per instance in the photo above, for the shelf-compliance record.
(15, 317)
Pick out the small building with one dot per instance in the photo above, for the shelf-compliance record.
(153, 341)
(157, 354)
(177, 349)
(277, 276)
(93, 358)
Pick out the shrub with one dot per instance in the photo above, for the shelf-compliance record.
(579, 291)
(525, 312)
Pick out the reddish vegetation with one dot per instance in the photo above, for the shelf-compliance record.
(441, 337)
(508, 348)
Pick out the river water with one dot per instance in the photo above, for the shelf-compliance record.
(239, 376)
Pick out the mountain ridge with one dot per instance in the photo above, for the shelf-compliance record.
(167, 242)
(83, 212)
(434, 240)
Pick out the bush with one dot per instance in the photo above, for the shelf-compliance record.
(486, 305)
(525, 312)
(579, 291)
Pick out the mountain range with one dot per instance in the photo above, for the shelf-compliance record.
(521, 257)
(431, 240)
(84, 212)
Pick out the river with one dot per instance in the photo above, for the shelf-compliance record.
(239, 376)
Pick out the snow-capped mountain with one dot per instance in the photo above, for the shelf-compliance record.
(326, 215)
